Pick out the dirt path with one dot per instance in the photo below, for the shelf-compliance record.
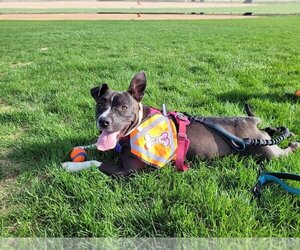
(113, 4)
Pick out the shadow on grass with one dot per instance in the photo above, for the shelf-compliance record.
(242, 97)
(33, 157)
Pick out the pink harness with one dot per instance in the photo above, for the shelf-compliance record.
(182, 140)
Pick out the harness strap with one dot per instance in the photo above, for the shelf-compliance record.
(154, 111)
(238, 143)
(183, 142)
(267, 177)
(235, 142)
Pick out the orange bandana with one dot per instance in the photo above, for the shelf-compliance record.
(154, 141)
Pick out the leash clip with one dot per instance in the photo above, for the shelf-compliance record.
(257, 190)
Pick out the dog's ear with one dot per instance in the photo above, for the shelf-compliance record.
(137, 86)
(98, 91)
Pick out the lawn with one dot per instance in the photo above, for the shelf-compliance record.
(201, 67)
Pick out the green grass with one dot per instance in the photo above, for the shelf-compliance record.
(201, 67)
(279, 8)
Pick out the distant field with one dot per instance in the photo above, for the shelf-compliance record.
(280, 8)
(202, 67)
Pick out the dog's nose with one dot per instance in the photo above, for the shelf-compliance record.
(104, 123)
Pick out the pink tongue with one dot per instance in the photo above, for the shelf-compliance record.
(107, 140)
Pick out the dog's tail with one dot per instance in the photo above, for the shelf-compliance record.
(247, 109)
(270, 130)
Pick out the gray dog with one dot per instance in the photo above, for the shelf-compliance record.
(120, 113)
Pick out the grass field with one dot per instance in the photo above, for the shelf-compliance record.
(201, 67)
(279, 8)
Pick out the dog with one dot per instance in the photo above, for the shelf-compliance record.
(120, 113)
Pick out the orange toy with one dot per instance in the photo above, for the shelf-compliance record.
(297, 93)
(78, 155)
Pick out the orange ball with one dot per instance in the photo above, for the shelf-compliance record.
(78, 155)
(297, 93)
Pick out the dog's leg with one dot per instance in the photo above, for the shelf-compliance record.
(293, 146)
(117, 170)
(271, 151)
(268, 152)
(128, 165)
(276, 151)
(125, 168)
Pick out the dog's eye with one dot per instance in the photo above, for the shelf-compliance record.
(124, 107)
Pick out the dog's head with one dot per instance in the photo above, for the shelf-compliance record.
(117, 113)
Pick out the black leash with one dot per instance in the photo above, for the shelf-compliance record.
(284, 133)
(238, 143)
